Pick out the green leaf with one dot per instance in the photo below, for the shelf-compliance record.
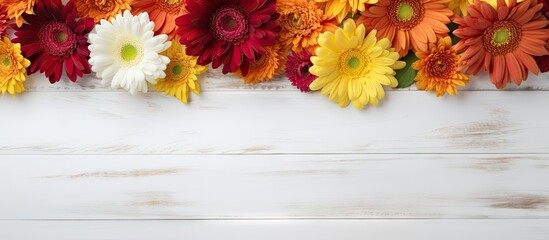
(406, 75)
(453, 26)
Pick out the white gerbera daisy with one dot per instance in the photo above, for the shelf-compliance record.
(125, 52)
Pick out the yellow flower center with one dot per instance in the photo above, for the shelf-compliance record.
(129, 53)
(501, 37)
(353, 63)
(172, 1)
(405, 12)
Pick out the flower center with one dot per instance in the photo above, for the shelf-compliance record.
(301, 21)
(304, 70)
(229, 23)
(104, 5)
(129, 51)
(170, 6)
(177, 69)
(6, 62)
(406, 14)
(442, 65)
(57, 39)
(353, 63)
(502, 37)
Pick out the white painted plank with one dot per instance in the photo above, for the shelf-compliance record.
(270, 123)
(274, 186)
(213, 80)
(500, 229)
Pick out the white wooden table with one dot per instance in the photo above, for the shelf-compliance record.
(81, 161)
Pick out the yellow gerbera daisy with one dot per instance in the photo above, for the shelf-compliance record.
(13, 67)
(460, 6)
(181, 73)
(352, 67)
(340, 8)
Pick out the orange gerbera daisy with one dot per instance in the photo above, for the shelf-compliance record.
(162, 12)
(302, 21)
(16, 8)
(438, 68)
(265, 68)
(503, 41)
(408, 23)
(101, 9)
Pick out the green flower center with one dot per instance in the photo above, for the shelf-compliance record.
(353, 62)
(6, 62)
(177, 69)
(129, 52)
(229, 23)
(405, 12)
(501, 37)
(61, 37)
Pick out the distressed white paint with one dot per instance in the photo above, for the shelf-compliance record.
(274, 186)
(247, 122)
(81, 151)
(502, 229)
(214, 80)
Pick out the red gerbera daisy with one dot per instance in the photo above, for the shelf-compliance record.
(3, 21)
(297, 70)
(543, 61)
(502, 40)
(229, 32)
(54, 38)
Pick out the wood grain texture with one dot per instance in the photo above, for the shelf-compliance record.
(213, 80)
(274, 186)
(501, 229)
(274, 123)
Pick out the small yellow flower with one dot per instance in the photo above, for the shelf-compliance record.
(340, 8)
(460, 6)
(438, 69)
(352, 67)
(13, 67)
(181, 73)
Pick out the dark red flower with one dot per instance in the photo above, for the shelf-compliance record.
(53, 39)
(3, 21)
(543, 61)
(229, 32)
(297, 70)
